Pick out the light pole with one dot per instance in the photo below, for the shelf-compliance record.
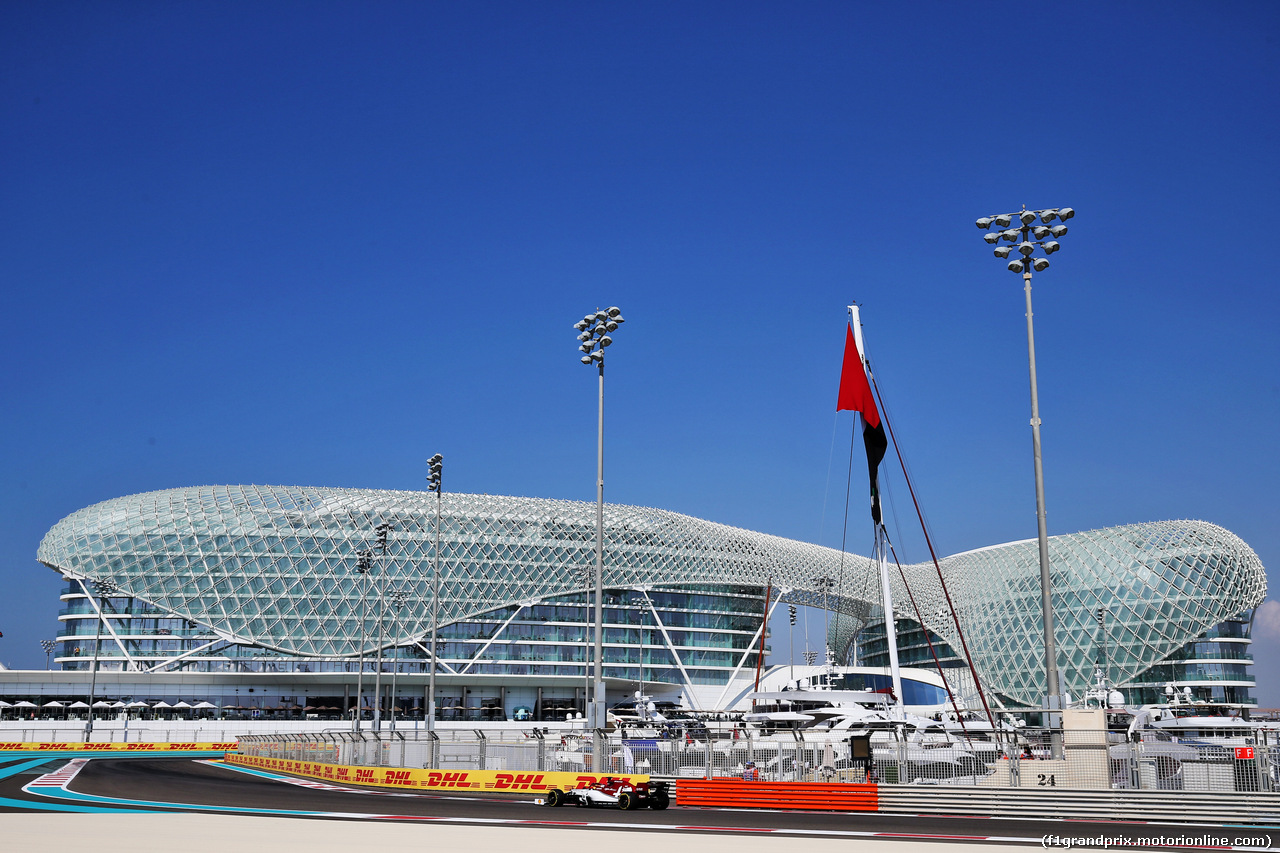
(1104, 664)
(588, 582)
(791, 639)
(103, 588)
(48, 646)
(1029, 236)
(594, 332)
(364, 561)
(435, 472)
(382, 530)
(825, 583)
(398, 599)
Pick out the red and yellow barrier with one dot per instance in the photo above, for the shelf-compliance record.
(100, 746)
(740, 794)
(426, 780)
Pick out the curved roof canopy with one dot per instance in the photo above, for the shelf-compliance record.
(275, 566)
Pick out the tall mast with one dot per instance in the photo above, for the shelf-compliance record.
(881, 549)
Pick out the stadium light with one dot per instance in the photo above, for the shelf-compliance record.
(103, 588)
(364, 562)
(435, 471)
(381, 530)
(825, 584)
(398, 600)
(1032, 237)
(48, 646)
(594, 331)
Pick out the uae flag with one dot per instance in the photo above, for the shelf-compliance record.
(855, 396)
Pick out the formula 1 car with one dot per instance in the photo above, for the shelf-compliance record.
(613, 792)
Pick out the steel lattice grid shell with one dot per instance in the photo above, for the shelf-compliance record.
(274, 566)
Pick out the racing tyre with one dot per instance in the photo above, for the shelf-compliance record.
(659, 800)
(627, 800)
(555, 797)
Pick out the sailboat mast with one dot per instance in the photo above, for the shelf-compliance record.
(890, 629)
(881, 550)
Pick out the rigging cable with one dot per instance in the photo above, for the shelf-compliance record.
(844, 535)
(929, 541)
(937, 663)
(831, 455)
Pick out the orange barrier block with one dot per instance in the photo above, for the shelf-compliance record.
(740, 794)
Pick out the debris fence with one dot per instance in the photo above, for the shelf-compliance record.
(1084, 760)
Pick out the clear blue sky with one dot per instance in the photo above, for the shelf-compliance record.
(314, 243)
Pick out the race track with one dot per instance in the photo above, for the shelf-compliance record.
(186, 785)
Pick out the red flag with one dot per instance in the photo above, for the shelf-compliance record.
(855, 395)
(855, 391)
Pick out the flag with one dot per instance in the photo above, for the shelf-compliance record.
(855, 396)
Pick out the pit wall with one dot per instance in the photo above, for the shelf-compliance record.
(426, 780)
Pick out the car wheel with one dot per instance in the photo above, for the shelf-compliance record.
(626, 800)
(555, 797)
(659, 800)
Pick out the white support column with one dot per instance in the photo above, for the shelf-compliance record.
(159, 665)
(671, 647)
(97, 607)
(496, 635)
(439, 663)
(751, 647)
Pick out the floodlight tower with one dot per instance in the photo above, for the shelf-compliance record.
(594, 332)
(382, 530)
(103, 588)
(364, 562)
(1029, 236)
(48, 646)
(825, 584)
(435, 470)
(398, 600)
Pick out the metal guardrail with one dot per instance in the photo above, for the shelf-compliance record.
(1090, 761)
(1076, 786)
(102, 734)
(1174, 806)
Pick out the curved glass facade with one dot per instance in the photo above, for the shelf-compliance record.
(260, 578)
(1214, 666)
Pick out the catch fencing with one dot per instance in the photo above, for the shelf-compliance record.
(136, 734)
(1094, 760)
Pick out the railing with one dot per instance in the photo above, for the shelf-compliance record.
(1051, 803)
(1090, 760)
(146, 733)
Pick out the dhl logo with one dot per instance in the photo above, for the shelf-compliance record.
(115, 747)
(447, 780)
(588, 781)
(519, 782)
(439, 779)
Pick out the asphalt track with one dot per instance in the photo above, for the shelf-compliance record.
(185, 785)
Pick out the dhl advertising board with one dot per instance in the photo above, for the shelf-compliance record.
(427, 780)
(19, 746)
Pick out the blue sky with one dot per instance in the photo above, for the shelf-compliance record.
(314, 243)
